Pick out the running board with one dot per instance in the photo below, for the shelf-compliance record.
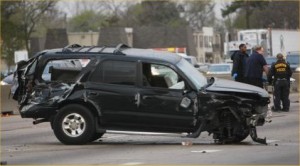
(147, 133)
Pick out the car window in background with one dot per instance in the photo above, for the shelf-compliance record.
(293, 59)
(270, 60)
(219, 68)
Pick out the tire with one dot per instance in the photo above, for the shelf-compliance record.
(74, 124)
(231, 131)
(240, 133)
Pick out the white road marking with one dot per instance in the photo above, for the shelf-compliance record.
(205, 151)
(133, 163)
(270, 141)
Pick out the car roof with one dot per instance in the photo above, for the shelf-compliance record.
(220, 64)
(122, 50)
(293, 53)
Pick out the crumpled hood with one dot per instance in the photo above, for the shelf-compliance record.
(233, 86)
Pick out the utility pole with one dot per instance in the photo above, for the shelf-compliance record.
(270, 39)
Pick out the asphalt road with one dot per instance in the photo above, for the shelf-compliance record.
(24, 143)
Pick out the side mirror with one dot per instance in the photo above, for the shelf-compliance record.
(185, 102)
(196, 66)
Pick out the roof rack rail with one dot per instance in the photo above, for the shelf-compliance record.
(69, 47)
(118, 49)
(81, 48)
(90, 48)
(102, 49)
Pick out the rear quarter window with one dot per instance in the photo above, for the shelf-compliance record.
(63, 70)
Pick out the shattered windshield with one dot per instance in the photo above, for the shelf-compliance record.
(193, 74)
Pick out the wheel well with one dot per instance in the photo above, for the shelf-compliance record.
(92, 108)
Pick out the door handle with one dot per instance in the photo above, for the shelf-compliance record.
(93, 93)
(147, 97)
(137, 99)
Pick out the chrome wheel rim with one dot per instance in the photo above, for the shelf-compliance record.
(73, 125)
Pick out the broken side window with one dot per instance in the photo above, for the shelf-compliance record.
(115, 72)
(64, 70)
(161, 76)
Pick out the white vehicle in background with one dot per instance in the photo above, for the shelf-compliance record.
(274, 41)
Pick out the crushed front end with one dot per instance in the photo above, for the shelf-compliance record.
(233, 110)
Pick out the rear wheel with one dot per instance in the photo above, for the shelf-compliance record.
(74, 124)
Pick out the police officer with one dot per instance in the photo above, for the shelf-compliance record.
(255, 66)
(281, 72)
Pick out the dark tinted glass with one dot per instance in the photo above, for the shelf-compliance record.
(115, 72)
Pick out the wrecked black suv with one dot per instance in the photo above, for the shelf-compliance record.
(85, 92)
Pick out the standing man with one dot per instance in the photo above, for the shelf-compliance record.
(255, 66)
(239, 63)
(282, 72)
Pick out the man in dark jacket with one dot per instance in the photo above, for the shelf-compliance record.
(239, 59)
(282, 73)
(256, 65)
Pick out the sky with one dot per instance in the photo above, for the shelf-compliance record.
(218, 7)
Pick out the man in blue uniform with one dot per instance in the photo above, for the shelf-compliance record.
(239, 62)
(256, 64)
(282, 73)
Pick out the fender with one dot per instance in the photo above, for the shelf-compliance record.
(83, 99)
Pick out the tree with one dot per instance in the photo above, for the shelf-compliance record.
(11, 32)
(87, 21)
(117, 11)
(278, 14)
(245, 6)
(154, 13)
(199, 13)
(18, 22)
(91, 15)
(32, 12)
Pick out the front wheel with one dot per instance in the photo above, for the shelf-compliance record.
(240, 133)
(234, 135)
(74, 124)
(230, 130)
